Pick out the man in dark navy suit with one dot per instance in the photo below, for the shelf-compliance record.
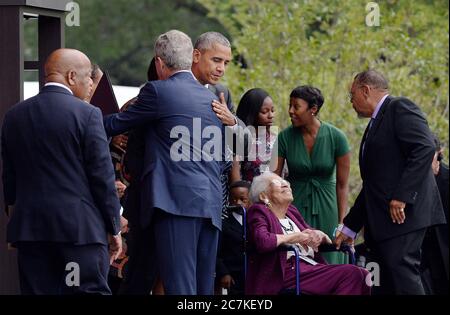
(181, 189)
(399, 198)
(58, 180)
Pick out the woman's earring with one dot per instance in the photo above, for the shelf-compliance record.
(267, 203)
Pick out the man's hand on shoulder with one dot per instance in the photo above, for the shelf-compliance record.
(222, 111)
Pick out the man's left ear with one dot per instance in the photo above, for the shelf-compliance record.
(71, 77)
(366, 90)
(196, 56)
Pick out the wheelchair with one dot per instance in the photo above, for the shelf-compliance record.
(322, 249)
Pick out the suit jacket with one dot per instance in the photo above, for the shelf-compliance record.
(396, 164)
(266, 264)
(441, 231)
(230, 256)
(186, 187)
(57, 171)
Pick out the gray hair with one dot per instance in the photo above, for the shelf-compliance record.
(260, 184)
(372, 78)
(175, 49)
(209, 39)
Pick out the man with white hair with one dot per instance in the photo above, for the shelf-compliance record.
(181, 199)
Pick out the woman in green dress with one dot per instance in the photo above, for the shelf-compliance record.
(318, 158)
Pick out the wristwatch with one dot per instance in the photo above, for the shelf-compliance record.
(338, 228)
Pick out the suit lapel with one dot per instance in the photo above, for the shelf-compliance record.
(212, 88)
(363, 139)
(376, 123)
(235, 225)
(368, 136)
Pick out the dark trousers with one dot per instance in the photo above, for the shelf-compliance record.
(186, 249)
(399, 261)
(434, 266)
(55, 268)
(141, 268)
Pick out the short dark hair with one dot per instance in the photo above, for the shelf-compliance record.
(209, 39)
(372, 78)
(95, 68)
(311, 95)
(152, 75)
(239, 184)
(250, 105)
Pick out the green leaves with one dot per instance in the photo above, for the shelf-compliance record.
(119, 35)
(289, 43)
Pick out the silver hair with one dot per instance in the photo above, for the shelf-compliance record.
(260, 184)
(175, 49)
(373, 78)
(209, 39)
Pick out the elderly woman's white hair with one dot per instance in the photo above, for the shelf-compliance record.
(260, 184)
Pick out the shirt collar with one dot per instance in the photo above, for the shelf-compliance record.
(377, 108)
(60, 85)
(188, 71)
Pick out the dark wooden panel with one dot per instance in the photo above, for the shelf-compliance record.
(31, 65)
(45, 4)
(11, 92)
(51, 30)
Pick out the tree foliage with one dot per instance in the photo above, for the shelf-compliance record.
(325, 43)
(280, 44)
(119, 34)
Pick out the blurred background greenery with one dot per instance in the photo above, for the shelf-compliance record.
(280, 44)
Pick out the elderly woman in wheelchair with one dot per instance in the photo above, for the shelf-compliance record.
(274, 222)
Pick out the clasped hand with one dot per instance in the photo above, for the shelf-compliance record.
(312, 238)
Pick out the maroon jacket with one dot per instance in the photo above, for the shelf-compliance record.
(266, 264)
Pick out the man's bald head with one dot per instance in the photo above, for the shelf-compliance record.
(72, 68)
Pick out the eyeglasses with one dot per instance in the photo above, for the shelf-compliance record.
(352, 94)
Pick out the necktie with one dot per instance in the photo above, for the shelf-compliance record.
(366, 134)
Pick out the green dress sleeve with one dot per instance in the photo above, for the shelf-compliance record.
(281, 143)
(342, 146)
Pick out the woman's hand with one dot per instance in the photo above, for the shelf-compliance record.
(299, 238)
(120, 187)
(317, 237)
